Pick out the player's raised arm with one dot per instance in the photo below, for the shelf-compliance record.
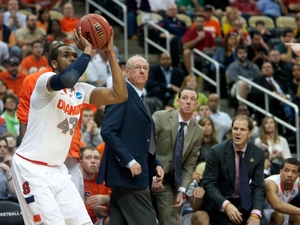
(118, 93)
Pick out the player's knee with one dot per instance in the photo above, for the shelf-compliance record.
(277, 218)
(200, 218)
(294, 219)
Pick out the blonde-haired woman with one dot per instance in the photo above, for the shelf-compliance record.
(269, 138)
(231, 15)
(190, 81)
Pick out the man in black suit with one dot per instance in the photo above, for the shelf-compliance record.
(164, 80)
(274, 84)
(222, 178)
(129, 160)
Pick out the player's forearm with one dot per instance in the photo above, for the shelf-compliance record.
(119, 85)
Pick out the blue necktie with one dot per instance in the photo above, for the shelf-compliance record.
(244, 184)
(152, 145)
(178, 153)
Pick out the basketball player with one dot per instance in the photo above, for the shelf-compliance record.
(280, 190)
(44, 190)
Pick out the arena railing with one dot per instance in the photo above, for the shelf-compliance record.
(116, 19)
(148, 41)
(215, 82)
(266, 109)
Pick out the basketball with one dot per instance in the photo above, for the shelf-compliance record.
(95, 29)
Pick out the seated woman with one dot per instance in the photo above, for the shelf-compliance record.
(277, 145)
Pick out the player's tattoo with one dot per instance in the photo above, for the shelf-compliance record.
(68, 125)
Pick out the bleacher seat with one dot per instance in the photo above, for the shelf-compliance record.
(145, 16)
(10, 213)
(286, 22)
(54, 14)
(24, 11)
(269, 23)
(223, 20)
(185, 18)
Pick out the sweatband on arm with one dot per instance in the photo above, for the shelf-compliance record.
(69, 76)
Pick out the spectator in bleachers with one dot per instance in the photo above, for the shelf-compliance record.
(10, 114)
(209, 137)
(211, 24)
(35, 61)
(96, 196)
(12, 142)
(190, 7)
(241, 67)
(225, 54)
(54, 32)
(265, 32)
(43, 19)
(190, 81)
(164, 80)
(177, 28)
(293, 6)
(294, 85)
(12, 18)
(69, 21)
(272, 8)
(4, 54)
(4, 4)
(203, 111)
(297, 29)
(286, 53)
(98, 69)
(35, 6)
(266, 80)
(160, 7)
(219, 7)
(3, 92)
(246, 7)
(8, 37)
(7, 189)
(277, 145)
(196, 38)
(243, 37)
(90, 132)
(281, 70)
(133, 9)
(258, 50)
(270, 168)
(221, 119)
(26, 35)
(231, 15)
(12, 77)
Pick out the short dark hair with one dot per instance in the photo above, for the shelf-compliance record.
(241, 47)
(291, 161)
(255, 32)
(54, 53)
(258, 22)
(286, 31)
(92, 148)
(183, 89)
(36, 41)
(243, 117)
(199, 15)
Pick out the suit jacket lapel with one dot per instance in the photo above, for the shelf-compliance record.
(137, 99)
(230, 160)
(174, 126)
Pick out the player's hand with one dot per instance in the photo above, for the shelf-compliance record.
(234, 214)
(253, 221)
(97, 200)
(5, 169)
(135, 169)
(157, 185)
(82, 44)
(102, 210)
(110, 44)
(198, 192)
(178, 200)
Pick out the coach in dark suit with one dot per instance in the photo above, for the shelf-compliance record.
(221, 178)
(129, 160)
(164, 80)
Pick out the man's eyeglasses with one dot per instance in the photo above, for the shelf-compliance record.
(139, 68)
